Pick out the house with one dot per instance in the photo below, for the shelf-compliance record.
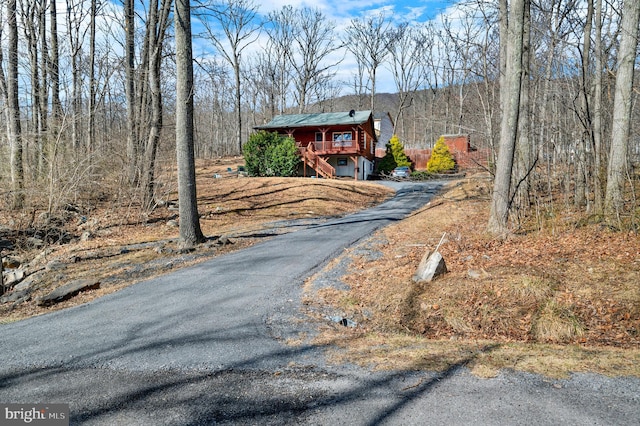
(333, 144)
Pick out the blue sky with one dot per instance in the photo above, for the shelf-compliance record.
(344, 10)
(341, 12)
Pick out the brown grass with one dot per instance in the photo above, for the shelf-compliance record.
(553, 301)
(237, 207)
(543, 302)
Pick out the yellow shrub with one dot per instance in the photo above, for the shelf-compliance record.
(441, 159)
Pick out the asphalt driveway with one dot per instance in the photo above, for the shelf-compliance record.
(206, 345)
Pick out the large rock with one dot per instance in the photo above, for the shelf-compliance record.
(68, 291)
(11, 278)
(431, 266)
(32, 282)
(16, 297)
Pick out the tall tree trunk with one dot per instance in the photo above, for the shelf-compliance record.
(54, 71)
(190, 232)
(504, 35)
(91, 131)
(13, 110)
(524, 150)
(500, 203)
(614, 196)
(598, 167)
(158, 21)
(130, 88)
(238, 102)
(44, 92)
(30, 31)
(585, 90)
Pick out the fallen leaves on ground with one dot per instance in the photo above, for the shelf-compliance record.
(572, 285)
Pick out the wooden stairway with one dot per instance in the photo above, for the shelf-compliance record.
(317, 163)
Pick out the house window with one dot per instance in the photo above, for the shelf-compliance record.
(318, 136)
(342, 161)
(342, 138)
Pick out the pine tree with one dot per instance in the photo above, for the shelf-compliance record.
(395, 156)
(441, 159)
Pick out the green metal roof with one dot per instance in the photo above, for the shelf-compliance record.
(317, 119)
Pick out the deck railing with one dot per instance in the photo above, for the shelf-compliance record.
(319, 164)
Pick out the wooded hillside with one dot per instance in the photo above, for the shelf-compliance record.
(88, 92)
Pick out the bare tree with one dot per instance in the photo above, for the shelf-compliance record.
(190, 232)
(43, 124)
(91, 131)
(130, 92)
(29, 21)
(237, 19)
(501, 198)
(406, 46)
(54, 61)
(75, 33)
(596, 108)
(367, 40)
(13, 109)
(614, 198)
(525, 154)
(280, 33)
(157, 25)
(314, 40)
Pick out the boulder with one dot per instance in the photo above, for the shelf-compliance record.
(30, 283)
(68, 291)
(12, 278)
(16, 297)
(431, 266)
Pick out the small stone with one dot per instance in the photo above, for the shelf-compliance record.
(86, 236)
(224, 240)
(162, 250)
(474, 274)
(35, 242)
(55, 265)
(172, 223)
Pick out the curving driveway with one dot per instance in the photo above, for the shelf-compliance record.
(205, 345)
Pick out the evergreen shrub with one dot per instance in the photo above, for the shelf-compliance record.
(441, 159)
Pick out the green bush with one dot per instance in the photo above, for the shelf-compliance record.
(421, 175)
(270, 154)
(394, 157)
(441, 159)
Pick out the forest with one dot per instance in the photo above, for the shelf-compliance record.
(88, 93)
